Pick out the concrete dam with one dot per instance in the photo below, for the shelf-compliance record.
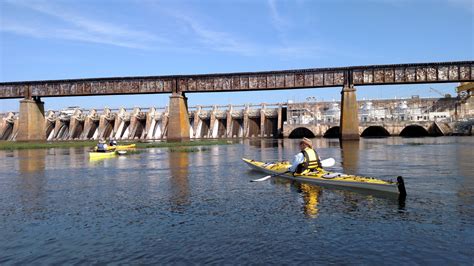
(393, 117)
(233, 121)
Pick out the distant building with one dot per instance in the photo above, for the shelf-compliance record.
(368, 113)
(332, 114)
(465, 108)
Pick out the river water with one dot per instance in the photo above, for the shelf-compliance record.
(157, 206)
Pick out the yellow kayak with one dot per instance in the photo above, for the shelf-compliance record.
(325, 178)
(121, 147)
(101, 155)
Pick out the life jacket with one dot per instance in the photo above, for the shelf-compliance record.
(311, 162)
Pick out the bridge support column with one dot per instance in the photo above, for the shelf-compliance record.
(31, 122)
(280, 121)
(178, 125)
(349, 125)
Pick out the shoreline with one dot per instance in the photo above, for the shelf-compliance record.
(14, 145)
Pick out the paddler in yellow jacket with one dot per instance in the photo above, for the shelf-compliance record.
(307, 160)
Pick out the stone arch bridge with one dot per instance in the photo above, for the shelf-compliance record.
(370, 129)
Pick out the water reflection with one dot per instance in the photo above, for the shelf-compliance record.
(269, 149)
(31, 180)
(262, 143)
(350, 156)
(32, 160)
(346, 200)
(311, 195)
(179, 184)
(466, 171)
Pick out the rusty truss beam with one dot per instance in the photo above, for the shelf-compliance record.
(442, 72)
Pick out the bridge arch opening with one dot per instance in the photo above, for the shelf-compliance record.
(375, 132)
(414, 131)
(301, 132)
(332, 133)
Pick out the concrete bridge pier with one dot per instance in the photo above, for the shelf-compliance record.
(178, 124)
(280, 120)
(31, 122)
(349, 126)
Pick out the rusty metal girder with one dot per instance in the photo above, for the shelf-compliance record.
(82, 87)
(332, 77)
(462, 71)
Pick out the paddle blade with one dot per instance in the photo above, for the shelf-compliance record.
(261, 179)
(122, 152)
(328, 162)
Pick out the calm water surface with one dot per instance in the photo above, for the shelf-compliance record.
(56, 206)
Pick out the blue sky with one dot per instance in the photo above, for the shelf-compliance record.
(42, 40)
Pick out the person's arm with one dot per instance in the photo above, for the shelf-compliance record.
(299, 158)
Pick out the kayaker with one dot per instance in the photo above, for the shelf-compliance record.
(101, 146)
(112, 142)
(307, 160)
